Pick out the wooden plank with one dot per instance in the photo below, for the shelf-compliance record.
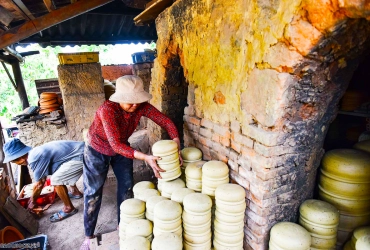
(151, 13)
(49, 5)
(33, 26)
(24, 8)
(19, 14)
(5, 16)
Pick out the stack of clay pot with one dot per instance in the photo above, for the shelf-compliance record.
(168, 241)
(169, 153)
(189, 155)
(167, 218)
(168, 187)
(214, 174)
(136, 242)
(140, 227)
(49, 101)
(197, 221)
(289, 236)
(321, 220)
(131, 210)
(229, 219)
(179, 194)
(345, 183)
(363, 243)
(357, 234)
(140, 187)
(193, 175)
(150, 204)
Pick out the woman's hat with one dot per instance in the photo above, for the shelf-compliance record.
(130, 89)
(14, 149)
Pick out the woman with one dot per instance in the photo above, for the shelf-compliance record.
(114, 122)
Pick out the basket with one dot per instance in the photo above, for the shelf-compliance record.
(42, 200)
(75, 58)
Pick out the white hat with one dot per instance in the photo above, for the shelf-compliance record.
(130, 89)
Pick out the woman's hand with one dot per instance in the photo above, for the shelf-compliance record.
(152, 161)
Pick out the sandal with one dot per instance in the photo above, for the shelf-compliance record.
(62, 215)
(79, 196)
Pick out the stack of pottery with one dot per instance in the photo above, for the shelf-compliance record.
(193, 175)
(289, 236)
(147, 193)
(168, 241)
(189, 155)
(345, 183)
(131, 210)
(150, 204)
(179, 194)
(169, 187)
(136, 242)
(169, 153)
(357, 234)
(229, 220)
(160, 184)
(321, 220)
(140, 227)
(49, 101)
(363, 243)
(214, 174)
(167, 218)
(140, 187)
(197, 221)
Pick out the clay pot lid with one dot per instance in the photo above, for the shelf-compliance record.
(167, 241)
(191, 154)
(135, 242)
(194, 170)
(348, 165)
(363, 243)
(143, 185)
(170, 186)
(319, 212)
(132, 207)
(147, 193)
(290, 236)
(197, 202)
(230, 193)
(363, 145)
(152, 201)
(361, 231)
(179, 194)
(215, 169)
(164, 147)
(141, 227)
(167, 210)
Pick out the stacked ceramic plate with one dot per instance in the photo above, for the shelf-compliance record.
(197, 221)
(140, 227)
(193, 175)
(357, 234)
(169, 153)
(168, 187)
(167, 241)
(179, 194)
(49, 101)
(229, 220)
(136, 242)
(150, 204)
(167, 218)
(140, 187)
(131, 210)
(321, 220)
(345, 183)
(189, 155)
(214, 174)
(289, 236)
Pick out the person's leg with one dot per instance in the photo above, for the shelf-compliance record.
(94, 175)
(73, 190)
(62, 192)
(123, 169)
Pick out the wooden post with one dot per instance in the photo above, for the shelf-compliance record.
(20, 84)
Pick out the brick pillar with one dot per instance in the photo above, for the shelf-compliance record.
(83, 92)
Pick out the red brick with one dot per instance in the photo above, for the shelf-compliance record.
(215, 137)
(225, 141)
(236, 146)
(194, 121)
(207, 123)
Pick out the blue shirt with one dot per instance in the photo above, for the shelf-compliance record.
(46, 159)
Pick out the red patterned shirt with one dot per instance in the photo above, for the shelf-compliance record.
(112, 126)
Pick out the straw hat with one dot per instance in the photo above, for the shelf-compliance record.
(130, 89)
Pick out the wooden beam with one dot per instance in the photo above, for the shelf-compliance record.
(155, 7)
(20, 84)
(33, 26)
(17, 9)
(49, 5)
(5, 16)
(24, 8)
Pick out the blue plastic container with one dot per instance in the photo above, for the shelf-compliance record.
(143, 57)
(38, 242)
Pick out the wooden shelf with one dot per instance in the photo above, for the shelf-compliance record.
(153, 9)
(352, 113)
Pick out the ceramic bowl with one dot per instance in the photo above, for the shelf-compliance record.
(179, 194)
(167, 241)
(167, 225)
(136, 242)
(215, 170)
(228, 217)
(170, 175)
(222, 245)
(230, 193)
(165, 159)
(170, 166)
(319, 212)
(194, 185)
(127, 220)
(228, 227)
(147, 193)
(232, 238)
(170, 186)
(316, 229)
(197, 238)
(195, 220)
(190, 246)
(167, 210)
(363, 243)
(157, 231)
(198, 203)
(322, 243)
(363, 146)
(347, 165)
(358, 233)
(140, 227)
(132, 207)
(152, 201)
(231, 207)
(194, 170)
(214, 183)
(164, 147)
(142, 185)
(197, 229)
(191, 154)
(290, 236)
